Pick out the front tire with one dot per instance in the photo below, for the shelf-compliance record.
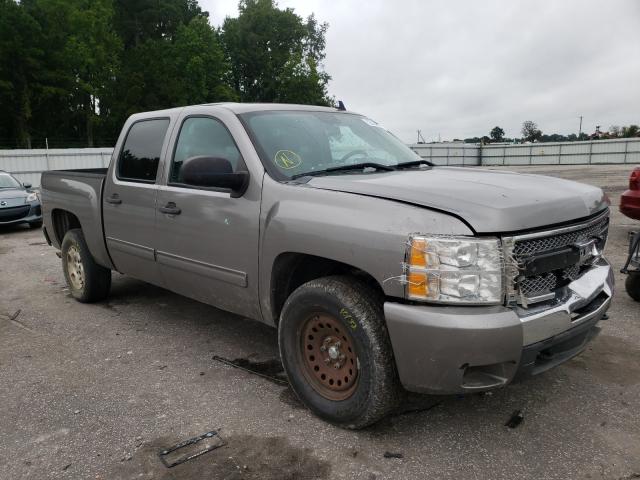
(336, 351)
(87, 281)
(632, 285)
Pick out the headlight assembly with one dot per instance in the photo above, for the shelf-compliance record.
(454, 270)
(32, 197)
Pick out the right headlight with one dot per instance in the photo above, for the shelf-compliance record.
(454, 270)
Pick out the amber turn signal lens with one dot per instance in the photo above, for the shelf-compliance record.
(417, 257)
(417, 285)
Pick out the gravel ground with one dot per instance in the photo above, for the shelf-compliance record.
(96, 391)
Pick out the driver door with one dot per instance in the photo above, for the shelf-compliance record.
(207, 241)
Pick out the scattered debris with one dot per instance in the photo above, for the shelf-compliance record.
(76, 412)
(162, 367)
(66, 467)
(393, 455)
(192, 441)
(201, 374)
(516, 419)
(13, 319)
(419, 409)
(272, 370)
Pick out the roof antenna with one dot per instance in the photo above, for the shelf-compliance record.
(341, 106)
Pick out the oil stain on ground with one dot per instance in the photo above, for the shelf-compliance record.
(244, 457)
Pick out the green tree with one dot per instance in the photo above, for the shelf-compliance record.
(137, 21)
(497, 134)
(530, 131)
(630, 131)
(21, 67)
(172, 57)
(200, 67)
(275, 55)
(92, 56)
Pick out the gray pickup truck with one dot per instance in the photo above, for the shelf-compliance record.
(382, 272)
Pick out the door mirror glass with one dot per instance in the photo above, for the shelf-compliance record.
(213, 172)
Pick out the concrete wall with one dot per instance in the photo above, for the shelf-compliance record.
(28, 165)
(454, 153)
(623, 150)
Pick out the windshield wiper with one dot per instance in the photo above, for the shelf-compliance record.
(345, 168)
(414, 163)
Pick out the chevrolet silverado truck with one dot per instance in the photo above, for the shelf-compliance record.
(381, 272)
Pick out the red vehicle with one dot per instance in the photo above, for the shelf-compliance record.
(630, 200)
(630, 206)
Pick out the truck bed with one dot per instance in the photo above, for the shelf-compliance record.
(78, 192)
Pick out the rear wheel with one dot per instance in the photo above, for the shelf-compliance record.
(632, 285)
(87, 281)
(336, 351)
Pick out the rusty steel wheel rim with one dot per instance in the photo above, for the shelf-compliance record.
(329, 357)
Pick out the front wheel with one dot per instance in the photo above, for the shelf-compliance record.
(88, 281)
(336, 351)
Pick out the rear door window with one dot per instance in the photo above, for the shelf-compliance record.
(140, 155)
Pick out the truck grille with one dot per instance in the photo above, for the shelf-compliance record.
(545, 244)
(13, 213)
(526, 248)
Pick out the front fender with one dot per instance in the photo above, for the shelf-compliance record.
(367, 233)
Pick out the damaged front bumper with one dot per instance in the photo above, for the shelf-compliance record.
(447, 350)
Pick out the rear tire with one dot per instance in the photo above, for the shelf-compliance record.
(336, 351)
(87, 281)
(632, 285)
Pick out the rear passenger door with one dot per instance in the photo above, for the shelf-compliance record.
(129, 199)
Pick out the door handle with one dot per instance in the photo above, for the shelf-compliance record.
(113, 199)
(170, 209)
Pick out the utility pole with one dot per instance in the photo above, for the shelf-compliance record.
(580, 129)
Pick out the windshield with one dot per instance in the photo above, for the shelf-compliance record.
(291, 143)
(7, 181)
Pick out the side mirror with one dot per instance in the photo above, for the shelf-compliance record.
(213, 172)
(26, 185)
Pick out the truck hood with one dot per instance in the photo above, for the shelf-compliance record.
(489, 201)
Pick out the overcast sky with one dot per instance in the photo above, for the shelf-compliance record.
(458, 68)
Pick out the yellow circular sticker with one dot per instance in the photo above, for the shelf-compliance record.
(286, 159)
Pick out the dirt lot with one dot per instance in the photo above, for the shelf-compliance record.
(96, 391)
